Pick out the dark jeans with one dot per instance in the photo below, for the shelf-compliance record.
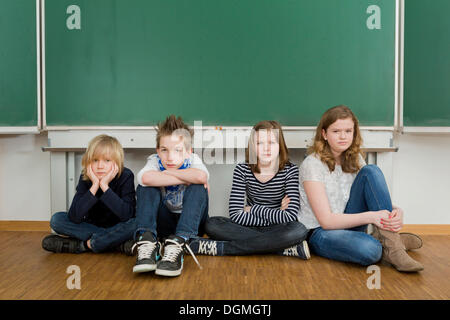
(369, 192)
(102, 239)
(242, 240)
(152, 214)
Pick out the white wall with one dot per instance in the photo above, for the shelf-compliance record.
(420, 178)
(24, 178)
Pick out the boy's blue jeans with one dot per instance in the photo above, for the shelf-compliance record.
(152, 214)
(369, 192)
(102, 239)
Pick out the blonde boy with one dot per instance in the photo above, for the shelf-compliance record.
(103, 203)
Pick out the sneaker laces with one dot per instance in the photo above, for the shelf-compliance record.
(193, 256)
(173, 249)
(292, 251)
(207, 247)
(145, 249)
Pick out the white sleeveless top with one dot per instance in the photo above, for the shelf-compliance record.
(337, 185)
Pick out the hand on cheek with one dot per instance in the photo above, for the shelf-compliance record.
(91, 175)
(104, 182)
(95, 181)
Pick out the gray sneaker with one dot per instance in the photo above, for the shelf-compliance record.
(148, 253)
(171, 263)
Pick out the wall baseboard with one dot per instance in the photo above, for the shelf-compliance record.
(427, 229)
(19, 225)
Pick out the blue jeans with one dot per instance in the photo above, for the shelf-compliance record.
(153, 215)
(242, 240)
(369, 192)
(102, 239)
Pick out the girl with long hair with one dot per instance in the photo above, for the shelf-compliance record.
(340, 195)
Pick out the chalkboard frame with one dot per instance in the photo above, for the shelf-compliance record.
(402, 93)
(396, 120)
(35, 129)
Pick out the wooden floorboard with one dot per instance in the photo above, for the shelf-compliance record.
(29, 272)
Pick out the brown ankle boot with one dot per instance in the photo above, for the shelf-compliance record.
(394, 251)
(411, 241)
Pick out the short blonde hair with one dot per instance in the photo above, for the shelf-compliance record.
(102, 145)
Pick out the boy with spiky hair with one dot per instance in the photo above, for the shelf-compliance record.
(172, 200)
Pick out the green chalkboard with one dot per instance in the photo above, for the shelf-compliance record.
(427, 63)
(18, 64)
(224, 62)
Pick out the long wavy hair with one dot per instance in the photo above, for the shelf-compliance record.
(350, 157)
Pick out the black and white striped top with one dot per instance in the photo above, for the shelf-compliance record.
(264, 198)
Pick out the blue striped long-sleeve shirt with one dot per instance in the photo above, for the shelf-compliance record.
(264, 198)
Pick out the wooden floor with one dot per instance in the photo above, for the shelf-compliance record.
(29, 272)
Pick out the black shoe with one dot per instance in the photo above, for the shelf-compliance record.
(127, 248)
(59, 244)
(148, 250)
(171, 263)
(300, 250)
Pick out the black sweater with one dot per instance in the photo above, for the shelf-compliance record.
(117, 204)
